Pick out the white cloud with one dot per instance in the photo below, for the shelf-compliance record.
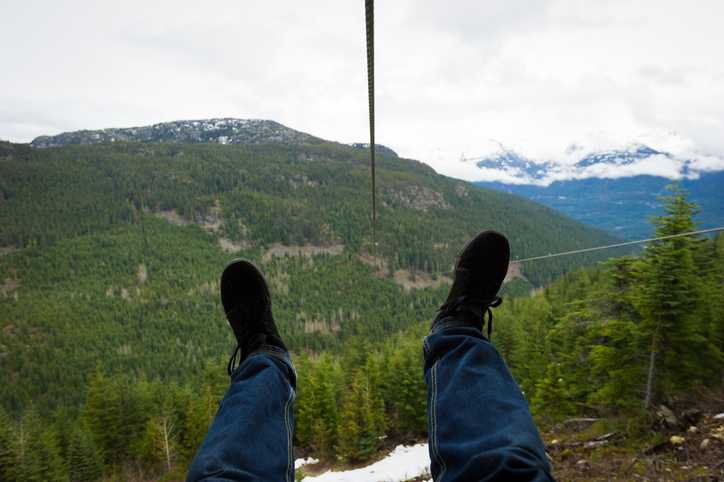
(536, 73)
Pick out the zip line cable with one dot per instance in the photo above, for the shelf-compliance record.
(606, 247)
(370, 24)
(617, 245)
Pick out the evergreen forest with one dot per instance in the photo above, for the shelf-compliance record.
(114, 344)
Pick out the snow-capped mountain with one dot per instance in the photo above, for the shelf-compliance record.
(597, 156)
(221, 131)
(610, 183)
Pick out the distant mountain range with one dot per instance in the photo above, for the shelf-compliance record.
(597, 156)
(607, 183)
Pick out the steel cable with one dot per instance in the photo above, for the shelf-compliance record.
(370, 24)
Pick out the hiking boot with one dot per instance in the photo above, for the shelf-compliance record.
(480, 269)
(247, 303)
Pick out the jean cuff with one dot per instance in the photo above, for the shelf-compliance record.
(273, 351)
(449, 322)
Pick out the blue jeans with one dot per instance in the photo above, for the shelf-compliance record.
(480, 427)
(479, 423)
(251, 436)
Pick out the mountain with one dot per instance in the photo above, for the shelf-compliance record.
(259, 183)
(225, 131)
(112, 250)
(221, 131)
(610, 183)
(623, 205)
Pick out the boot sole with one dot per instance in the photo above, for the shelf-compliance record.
(225, 275)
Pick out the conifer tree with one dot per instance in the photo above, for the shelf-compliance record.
(5, 441)
(117, 413)
(84, 463)
(316, 424)
(551, 396)
(362, 419)
(33, 453)
(670, 295)
(195, 426)
(405, 390)
(615, 337)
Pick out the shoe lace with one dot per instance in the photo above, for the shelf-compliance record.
(260, 304)
(477, 307)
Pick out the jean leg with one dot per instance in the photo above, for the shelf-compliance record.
(251, 436)
(479, 423)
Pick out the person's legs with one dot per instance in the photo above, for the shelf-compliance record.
(251, 436)
(479, 423)
(480, 427)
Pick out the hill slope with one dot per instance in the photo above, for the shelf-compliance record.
(622, 205)
(113, 252)
(312, 192)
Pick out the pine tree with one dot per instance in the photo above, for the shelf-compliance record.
(5, 442)
(615, 337)
(316, 419)
(405, 390)
(117, 413)
(362, 419)
(669, 299)
(33, 453)
(551, 396)
(84, 463)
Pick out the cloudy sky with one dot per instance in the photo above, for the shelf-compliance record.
(451, 75)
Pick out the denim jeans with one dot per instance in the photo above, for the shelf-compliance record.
(479, 423)
(251, 436)
(480, 427)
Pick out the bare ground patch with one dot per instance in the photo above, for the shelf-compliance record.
(7, 249)
(278, 250)
(8, 286)
(173, 217)
(404, 277)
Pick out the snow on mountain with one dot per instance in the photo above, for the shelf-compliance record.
(599, 155)
(222, 131)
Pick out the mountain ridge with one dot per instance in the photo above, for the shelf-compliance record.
(223, 130)
(599, 155)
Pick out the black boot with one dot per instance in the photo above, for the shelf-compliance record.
(247, 302)
(480, 269)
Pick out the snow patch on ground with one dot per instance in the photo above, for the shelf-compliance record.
(403, 463)
(309, 460)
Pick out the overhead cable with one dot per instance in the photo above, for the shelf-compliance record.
(617, 245)
(370, 22)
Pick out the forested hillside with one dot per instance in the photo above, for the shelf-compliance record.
(254, 195)
(113, 338)
(619, 205)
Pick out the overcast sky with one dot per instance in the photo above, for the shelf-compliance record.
(450, 75)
